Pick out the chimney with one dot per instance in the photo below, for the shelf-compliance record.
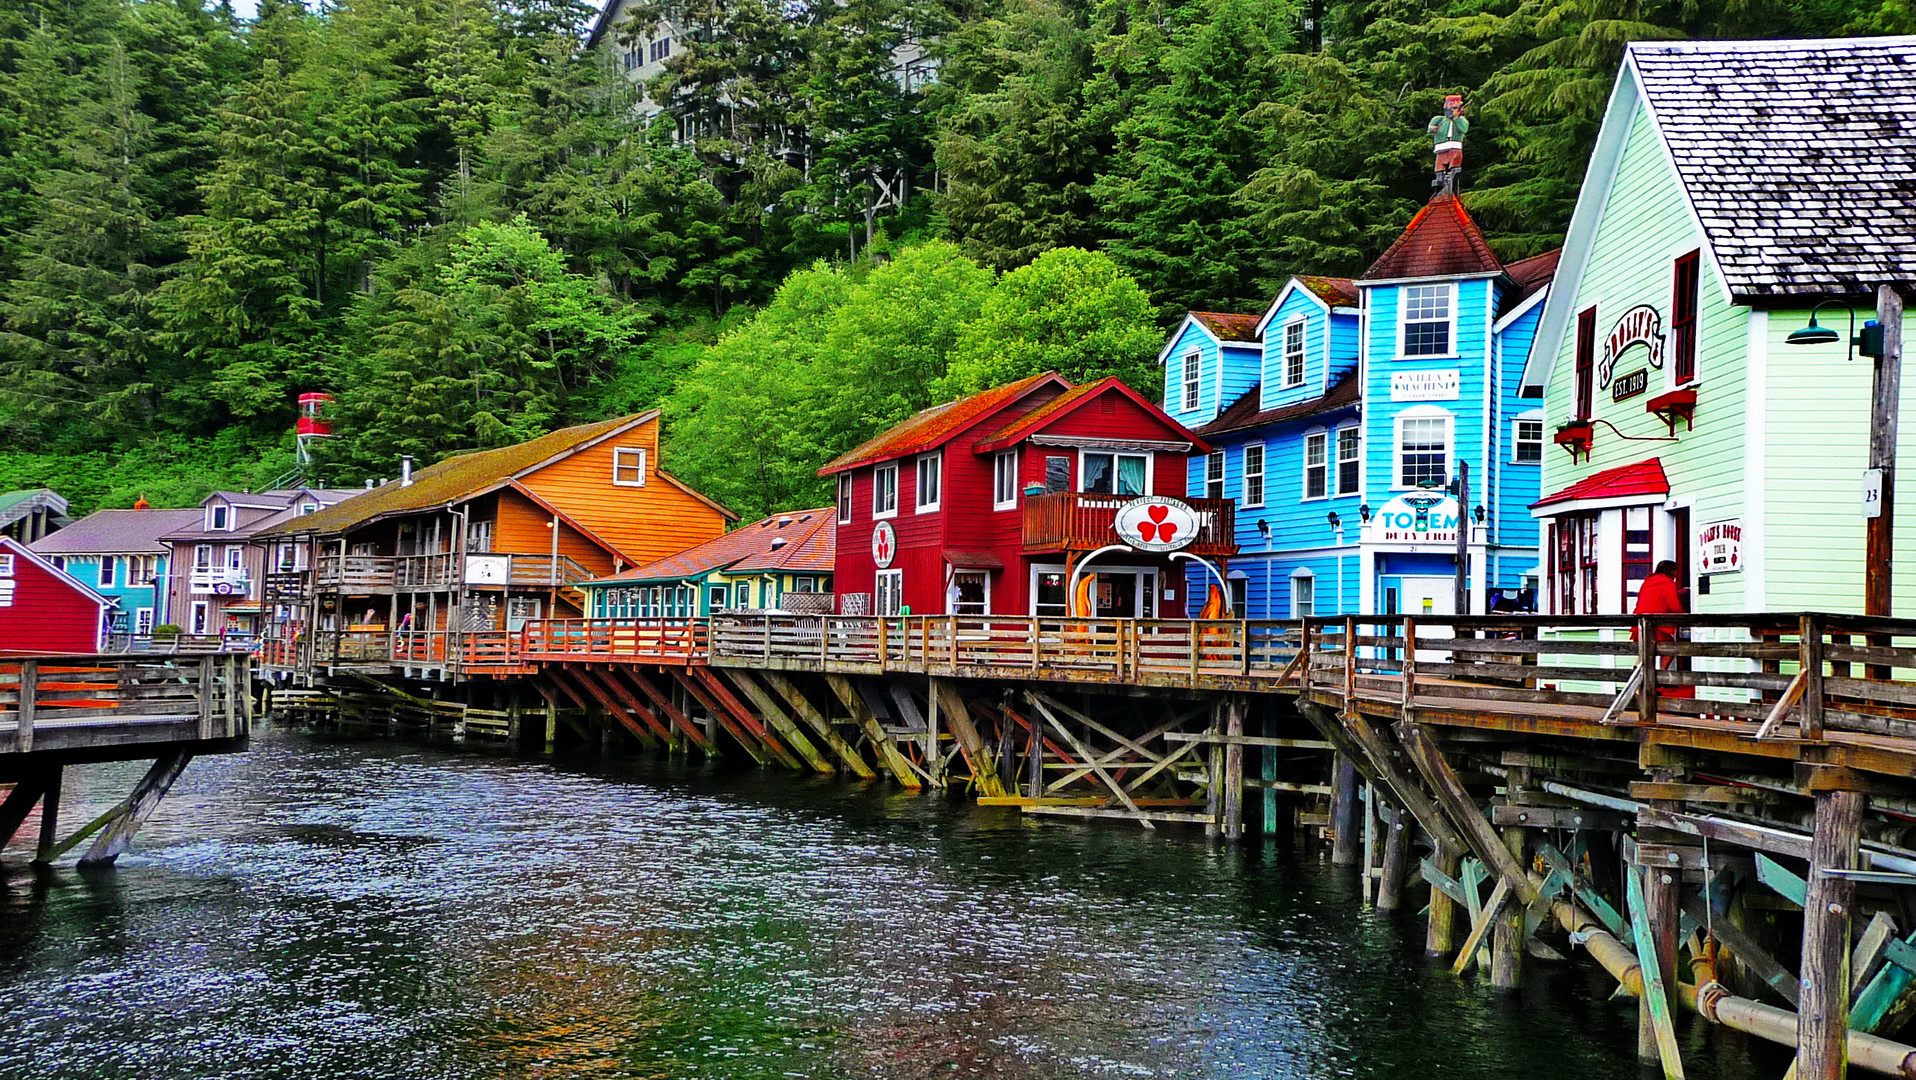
(369, 483)
(405, 470)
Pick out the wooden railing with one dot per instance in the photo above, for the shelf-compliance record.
(1070, 520)
(65, 702)
(349, 573)
(435, 571)
(186, 643)
(1778, 676)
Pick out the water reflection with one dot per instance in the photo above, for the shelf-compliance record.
(320, 909)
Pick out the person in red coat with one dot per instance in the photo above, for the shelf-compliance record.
(1660, 595)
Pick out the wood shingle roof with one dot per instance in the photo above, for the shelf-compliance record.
(1798, 156)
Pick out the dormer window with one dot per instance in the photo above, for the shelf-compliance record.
(628, 466)
(1294, 354)
(309, 508)
(1192, 362)
(219, 517)
(1428, 311)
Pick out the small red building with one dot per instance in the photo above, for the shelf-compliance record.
(988, 504)
(43, 609)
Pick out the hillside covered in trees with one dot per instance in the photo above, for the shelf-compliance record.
(447, 213)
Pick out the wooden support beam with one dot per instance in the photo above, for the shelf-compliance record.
(1346, 838)
(1822, 1043)
(956, 717)
(1077, 747)
(1235, 707)
(1355, 737)
(819, 724)
(50, 816)
(1480, 923)
(1654, 1007)
(889, 755)
(663, 702)
(601, 690)
(1507, 937)
(1442, 867)
(608, 676)
(775, 716)
(746, 739)
(19, 803)
(716, 695)
(1463, 811)
(1390, 885)
(117, 835)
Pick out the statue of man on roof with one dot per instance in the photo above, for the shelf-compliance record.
(1447, 138)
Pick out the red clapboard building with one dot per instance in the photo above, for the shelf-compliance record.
(43, 609)
(986, 506)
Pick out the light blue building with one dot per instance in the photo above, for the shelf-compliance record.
(1339, 416)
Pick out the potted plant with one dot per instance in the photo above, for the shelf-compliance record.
(166, 636)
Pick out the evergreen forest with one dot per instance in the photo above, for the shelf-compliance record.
(452, 214)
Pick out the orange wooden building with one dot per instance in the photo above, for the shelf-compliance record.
(430, 571)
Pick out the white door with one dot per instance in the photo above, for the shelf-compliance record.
(1423, 597)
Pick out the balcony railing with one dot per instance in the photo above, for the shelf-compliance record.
(437, 571)
(219, 580)
(354, 573)
(1076, 521)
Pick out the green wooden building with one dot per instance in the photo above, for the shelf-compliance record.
(782, 563)
(1734, 186)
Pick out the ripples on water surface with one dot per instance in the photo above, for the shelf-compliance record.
(319, 909)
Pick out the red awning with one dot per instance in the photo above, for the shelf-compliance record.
(973, 560)
(1643, 480)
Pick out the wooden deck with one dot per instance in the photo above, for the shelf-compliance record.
(1832, 688)
(119, 705)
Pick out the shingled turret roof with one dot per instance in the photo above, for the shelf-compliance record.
(1441, 241)
(1799, 157)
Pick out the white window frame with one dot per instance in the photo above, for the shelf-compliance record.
(1357, 456)
(896, 592)
(203, 557)
(1150, 471)
(143, 620)
(951, 594)
(201, 618)
(880, 511)
(933, 466)
(718, 598)
(1534, 416)
(1004, 480)
(1420, 412)
(1294, 353)
(1449, 289)
(742, 595)
(109, 576)
(1192, 376)
(1322, 437)
(1214, 474)
(1261, 476)
(620, 465)
(235, 557)
(1302, 580)
(844, 498)
(219, 517)
(6, 564)
(308, 508)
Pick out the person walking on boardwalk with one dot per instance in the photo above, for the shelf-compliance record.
(1661, 595)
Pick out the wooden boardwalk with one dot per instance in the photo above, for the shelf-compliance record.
(57, 711)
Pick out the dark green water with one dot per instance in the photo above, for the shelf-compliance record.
(321, 909)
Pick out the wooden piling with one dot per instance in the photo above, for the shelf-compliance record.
(1506, 939)
(1346, 835)
(1441, 935)
(1390, 885)
(50, 816)
(117, 835)
(1823, 1021)
(1233, 802)
(1662, 896)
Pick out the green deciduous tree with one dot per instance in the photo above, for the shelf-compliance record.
(1071, 311)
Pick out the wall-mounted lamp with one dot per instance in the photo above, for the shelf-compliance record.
(1481, 514)
(1264, 528)
(1363, 513)
(1336, 522)
(1869, 342)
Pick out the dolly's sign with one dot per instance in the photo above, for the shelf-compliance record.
(1641, 325)
(1156, 523)
(1720, 546)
